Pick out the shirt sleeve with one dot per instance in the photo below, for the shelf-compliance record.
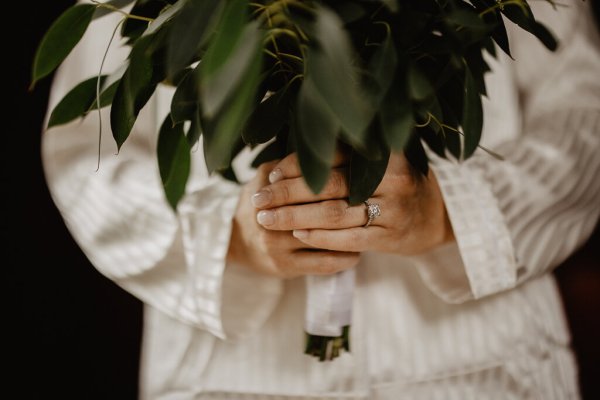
(517, 218)
(114, 207)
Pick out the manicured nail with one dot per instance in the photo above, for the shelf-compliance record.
(266, 218)
(261, 198)
(276, 175)
(300, 233)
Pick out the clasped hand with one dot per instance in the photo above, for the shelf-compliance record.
(282, 228)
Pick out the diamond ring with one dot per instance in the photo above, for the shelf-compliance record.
(373, 211)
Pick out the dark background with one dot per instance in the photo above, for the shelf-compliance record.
(75, 334)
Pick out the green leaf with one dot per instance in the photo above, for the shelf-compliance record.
(166, 14)
(190, 30)
(316, 124)
(467, 19)
(76, 103)
(134, 90)
(268, 118)
(275, 150)
(174, 160)
(416, 156)
(217, 85)
(522, 15)
(433, 139)
(106, 97)
(133, 28)
(60, 39)
(499, 33)
(185, 102)
(330, 64)
(419, 86)
(365, 174)
(382, 67)
(102, 11)
(195, 130)
(472, 120)
(391, 4)
(314, 171)
(396, 117)
(222, 132)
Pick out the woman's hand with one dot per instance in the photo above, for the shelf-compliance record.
(277, 252)
(413, 216)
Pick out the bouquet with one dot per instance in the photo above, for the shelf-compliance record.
(304, 76)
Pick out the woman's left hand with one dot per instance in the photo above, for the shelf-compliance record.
(413, 217)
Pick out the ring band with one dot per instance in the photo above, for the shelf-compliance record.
(373, 211)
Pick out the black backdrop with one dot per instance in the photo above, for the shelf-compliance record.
(72, 333)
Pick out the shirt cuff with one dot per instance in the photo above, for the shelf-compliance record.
(481, 262)
(228, 301)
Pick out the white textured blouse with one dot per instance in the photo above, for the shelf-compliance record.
(477, 319)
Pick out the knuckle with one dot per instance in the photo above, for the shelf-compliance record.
(335, 184)
(336, 211)
(284, 218)
(283, 192)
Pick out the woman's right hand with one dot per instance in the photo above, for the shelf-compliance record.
(277, 253)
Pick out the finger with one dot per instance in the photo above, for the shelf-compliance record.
(295, 191)
(329, 214)
(353, 239)
(319, 262)
(289, 167)
(279, 241)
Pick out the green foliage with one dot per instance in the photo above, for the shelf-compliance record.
(174, 160)
(61, 38)
(297, 75)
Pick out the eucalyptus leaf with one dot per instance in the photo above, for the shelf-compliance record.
(472, 121)
(522, 15)
(174, 160)
(468, 19)
(166, 14)
(195, 130)
(102, 11)
(217, 85)
(416, 156)
(186, 99)
(330, 64)
(275, 150)
(499, 33)
(106, 97)
(391, 4)
(76, 103)
(316, 124)
(134, 90)
(222, 131)
(269, 117)
(314, 171)
(418, 85)
(133, 28)
(190, 30)
(365, 175)
(60, 39)
(383, 66)
(396, 116)
(433, 139)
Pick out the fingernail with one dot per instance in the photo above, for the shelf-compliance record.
(266, 218)
(300, 233)
(276, 175)
(261, 198)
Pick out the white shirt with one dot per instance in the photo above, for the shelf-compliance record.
(477, 319)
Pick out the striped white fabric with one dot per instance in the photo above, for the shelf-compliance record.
(477, 319)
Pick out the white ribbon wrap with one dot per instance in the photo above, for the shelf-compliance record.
(329, 302)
